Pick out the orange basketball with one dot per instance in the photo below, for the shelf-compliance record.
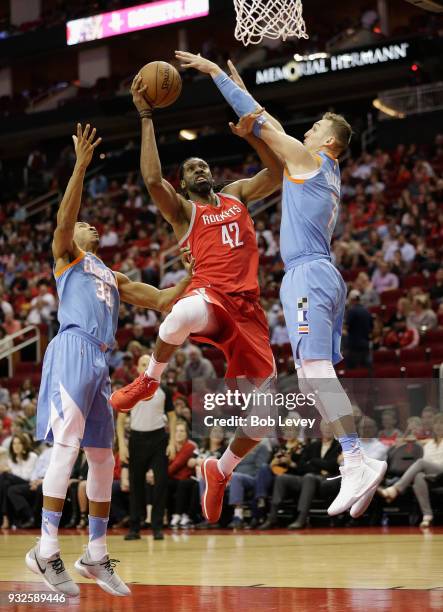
(163, 84)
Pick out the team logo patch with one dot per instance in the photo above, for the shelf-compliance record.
(302, 315)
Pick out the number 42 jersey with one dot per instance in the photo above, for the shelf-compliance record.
(89, 298)
(223, 242)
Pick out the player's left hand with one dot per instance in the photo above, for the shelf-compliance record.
(188, 260)
(85, 144)
(246, 123)
(170, 451)
(191, 60)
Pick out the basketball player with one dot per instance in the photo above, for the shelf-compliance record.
(221, 306)
(73, 407)
(313, 292)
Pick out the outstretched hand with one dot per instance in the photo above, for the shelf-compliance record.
(235, 76)
(84, 144)
(191, 60)
(245, 124)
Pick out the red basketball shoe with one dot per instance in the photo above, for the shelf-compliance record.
(141, 389)
(215, 485)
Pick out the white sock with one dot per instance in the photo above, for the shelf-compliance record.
(228, 462)
(97, 537)
(155, 369)
(352, 458)
(49, 538)
(238, 513)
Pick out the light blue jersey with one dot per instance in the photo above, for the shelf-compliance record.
(313, 292)
(310, 209)
(73, 406)
(89, 298)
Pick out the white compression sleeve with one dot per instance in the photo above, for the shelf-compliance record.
(55, 482)
(190, 315)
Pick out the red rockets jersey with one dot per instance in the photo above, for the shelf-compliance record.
(223, 242)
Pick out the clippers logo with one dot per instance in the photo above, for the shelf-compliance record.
(302, 315)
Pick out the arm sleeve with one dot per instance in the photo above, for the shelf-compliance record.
(241, 101)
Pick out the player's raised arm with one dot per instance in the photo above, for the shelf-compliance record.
(63, 242)
(264, 182)
(232, 88)
(147, 296)
(172, 206)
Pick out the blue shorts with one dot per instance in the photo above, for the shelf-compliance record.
(313, 295)
(73, 406)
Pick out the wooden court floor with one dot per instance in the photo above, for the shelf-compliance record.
(339, 570)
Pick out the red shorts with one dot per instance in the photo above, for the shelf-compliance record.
(243, 335)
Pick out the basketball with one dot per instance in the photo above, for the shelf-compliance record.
(163, 84)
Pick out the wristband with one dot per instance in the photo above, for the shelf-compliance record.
(258, 123)
(146, 114)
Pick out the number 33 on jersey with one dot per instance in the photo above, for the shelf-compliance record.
(223, 243)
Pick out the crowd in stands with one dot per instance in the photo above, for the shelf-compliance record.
(277, 485)
(388, 247)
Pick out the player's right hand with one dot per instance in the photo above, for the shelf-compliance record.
(137, 91)
(246, 123)
(84, 145)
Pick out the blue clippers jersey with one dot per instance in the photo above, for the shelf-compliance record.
(309, 213)
(89, 298)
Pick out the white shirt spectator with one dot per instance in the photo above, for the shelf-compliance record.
(23, 469)
(280, 335)
(374, 449)
(5, 396)
(6, 307)
(171, 278)
(407, 251)
(41, 308)
(433, 452)
(109, 239)
(146, 319)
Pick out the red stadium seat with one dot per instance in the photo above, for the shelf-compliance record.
(436, 354)
(389, 371)
(414, 354)
(123, 336)
(434, 337)
(356, 373)
(391, 297)
(419, 370)
(414, 280)
(385, 356)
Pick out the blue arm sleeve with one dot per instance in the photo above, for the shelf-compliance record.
(241, 101)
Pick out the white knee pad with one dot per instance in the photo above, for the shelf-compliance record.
(306, 389)
(55, 482)
(100, 473)
(190, 315)
(332, 401)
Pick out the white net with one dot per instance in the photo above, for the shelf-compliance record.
(258, 19)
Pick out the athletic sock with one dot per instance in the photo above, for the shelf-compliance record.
(228, 462)
(351, 447)
(97, 537)
(155, 369)
(49, 539)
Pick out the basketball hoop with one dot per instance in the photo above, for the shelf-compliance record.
(258, 19)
